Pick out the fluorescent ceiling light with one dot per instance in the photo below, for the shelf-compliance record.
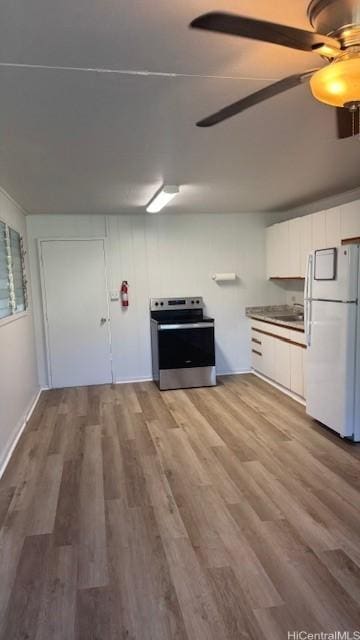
(162, 198)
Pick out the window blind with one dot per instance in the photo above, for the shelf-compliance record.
(5, 307)
(17, 284)
(13, 293)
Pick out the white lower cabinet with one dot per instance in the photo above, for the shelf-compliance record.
(297, 370)
(280, 356)
(268, 352)
(281, 364)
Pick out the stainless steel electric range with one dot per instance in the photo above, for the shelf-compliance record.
(182, 343)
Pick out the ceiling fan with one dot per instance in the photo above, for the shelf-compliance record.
(336, 40)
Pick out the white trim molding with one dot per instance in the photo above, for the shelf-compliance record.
(13, 201)
(5, 459)
(241, 372)
(133, 380)
(287, 392)
(219, 374)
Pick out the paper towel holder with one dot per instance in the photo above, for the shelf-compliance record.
(224, 277)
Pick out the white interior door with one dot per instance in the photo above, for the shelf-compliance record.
(76, 312)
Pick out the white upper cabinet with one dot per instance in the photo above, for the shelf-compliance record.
(350, 220)
(287, 246)
(277, 250)
(318, 230)
(333, 227)
(289, 243)
(294, 262)
(271, 250)
(305, 243)
(283, 250)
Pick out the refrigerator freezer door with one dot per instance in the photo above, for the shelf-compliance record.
(325, 264)
(344, 287)
(331, 365)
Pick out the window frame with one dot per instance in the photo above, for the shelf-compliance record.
(15, 315)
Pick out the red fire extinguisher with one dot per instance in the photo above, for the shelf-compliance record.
(124, 293)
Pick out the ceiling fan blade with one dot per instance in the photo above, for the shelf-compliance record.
(260, 30)
(255, 98)
(347, 123)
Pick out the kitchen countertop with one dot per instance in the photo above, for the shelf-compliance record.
(271, 313)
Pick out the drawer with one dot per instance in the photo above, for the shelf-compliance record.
(256, 340)
(256, 359)
(297, 336)
(258, 327)
(268, 327)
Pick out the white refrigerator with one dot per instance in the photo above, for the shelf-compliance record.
(332, 328)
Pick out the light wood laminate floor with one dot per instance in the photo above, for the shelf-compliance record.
(207, 514)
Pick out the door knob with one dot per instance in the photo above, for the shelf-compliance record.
(102, 321)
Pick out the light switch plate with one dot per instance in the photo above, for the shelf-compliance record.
(114, 296)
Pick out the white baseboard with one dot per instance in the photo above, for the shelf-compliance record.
(287, 392)
(19, 430)
(241, 372)
(130, 380)
(218, 373)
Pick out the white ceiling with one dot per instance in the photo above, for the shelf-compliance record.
(77, 141)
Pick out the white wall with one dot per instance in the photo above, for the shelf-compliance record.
(169, 255)
(293, 290)
(18, 370)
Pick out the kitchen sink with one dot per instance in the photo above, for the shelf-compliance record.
(290, 318)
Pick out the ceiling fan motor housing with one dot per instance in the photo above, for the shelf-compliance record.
(337, 18)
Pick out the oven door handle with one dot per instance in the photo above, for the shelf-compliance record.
(195, 325)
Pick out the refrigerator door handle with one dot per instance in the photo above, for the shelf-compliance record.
(309, 277)
(307, 318)
(309, 323)
(308, 309)
(306, 293)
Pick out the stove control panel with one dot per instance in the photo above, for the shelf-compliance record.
(171, 304)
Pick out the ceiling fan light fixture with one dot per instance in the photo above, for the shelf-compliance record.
(338, 84)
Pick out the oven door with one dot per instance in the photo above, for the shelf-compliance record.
(184, 346)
